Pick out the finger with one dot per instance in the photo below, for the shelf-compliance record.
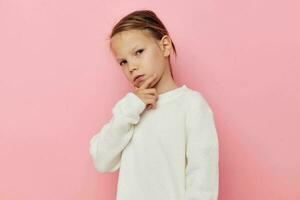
(150, 96)
(149, 106)
(151, 91)
(151, 102)
(148, 81)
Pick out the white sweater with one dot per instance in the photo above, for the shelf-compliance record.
(167, 153)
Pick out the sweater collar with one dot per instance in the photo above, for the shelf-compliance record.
(168, 95)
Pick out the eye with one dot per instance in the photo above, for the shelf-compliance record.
(122, 62)
(139, 51)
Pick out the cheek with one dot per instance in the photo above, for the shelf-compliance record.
(126, 73)
(155, 60)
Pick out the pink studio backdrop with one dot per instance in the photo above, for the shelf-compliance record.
(58, 83)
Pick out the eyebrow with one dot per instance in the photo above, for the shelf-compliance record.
(119, 59)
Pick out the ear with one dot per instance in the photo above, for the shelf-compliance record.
(166, 45)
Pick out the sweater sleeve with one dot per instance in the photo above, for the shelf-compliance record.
(202, 156)
(107, 145)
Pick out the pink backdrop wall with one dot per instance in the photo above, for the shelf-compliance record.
(58, 83)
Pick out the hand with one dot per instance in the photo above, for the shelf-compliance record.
(148, 95)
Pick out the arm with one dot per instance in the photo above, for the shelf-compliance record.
(107, 145)
(202, 170)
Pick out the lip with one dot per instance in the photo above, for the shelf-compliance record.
(138, 78)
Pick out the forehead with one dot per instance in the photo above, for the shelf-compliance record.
(124, 42)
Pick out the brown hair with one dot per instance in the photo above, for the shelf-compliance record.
(143, 20)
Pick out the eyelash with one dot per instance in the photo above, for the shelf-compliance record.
(140, 50)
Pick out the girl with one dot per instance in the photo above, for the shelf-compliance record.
(161, 136)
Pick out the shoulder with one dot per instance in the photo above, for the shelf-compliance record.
(195, 100)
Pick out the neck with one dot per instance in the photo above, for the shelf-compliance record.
(166, 82)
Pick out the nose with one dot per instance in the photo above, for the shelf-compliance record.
(132, 67)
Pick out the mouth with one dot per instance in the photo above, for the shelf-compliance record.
(137, 79)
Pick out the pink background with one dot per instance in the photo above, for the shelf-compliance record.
(58, 83)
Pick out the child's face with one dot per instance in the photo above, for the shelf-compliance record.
(138, 53)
